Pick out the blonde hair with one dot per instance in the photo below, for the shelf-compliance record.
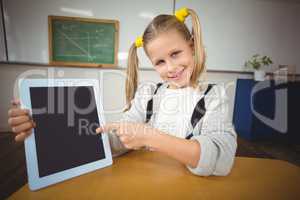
(164, 23)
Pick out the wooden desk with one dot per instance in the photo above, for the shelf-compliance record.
(150, 175)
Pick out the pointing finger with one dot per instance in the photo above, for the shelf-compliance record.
(108, 127)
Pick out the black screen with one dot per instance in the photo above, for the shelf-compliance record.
(66, 119)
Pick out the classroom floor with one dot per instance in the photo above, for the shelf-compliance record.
(13, 169)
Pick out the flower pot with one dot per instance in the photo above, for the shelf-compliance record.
(259, 75)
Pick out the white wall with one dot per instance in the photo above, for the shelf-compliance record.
(27, 25)
(234, 30)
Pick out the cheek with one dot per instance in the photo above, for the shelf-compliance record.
(186, 60)
(189, 72)
(161, 71)
(189, 64)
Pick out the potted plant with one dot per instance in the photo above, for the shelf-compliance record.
(257, 62)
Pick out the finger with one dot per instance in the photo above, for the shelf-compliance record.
(23, 135)
(33, 124)
(22, 127)
(14, 121)
(127, 146)
(14, 112)
(108, 127)
(124, 139)
(15, 102)
(99, 130)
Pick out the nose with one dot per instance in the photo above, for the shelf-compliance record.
(171, 66)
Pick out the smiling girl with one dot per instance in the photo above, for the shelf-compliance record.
(180, 117)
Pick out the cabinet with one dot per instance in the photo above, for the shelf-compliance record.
(267, 109)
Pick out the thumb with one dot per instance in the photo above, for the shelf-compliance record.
(15, 103)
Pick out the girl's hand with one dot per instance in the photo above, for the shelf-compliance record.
(132, 135)
(20, 121)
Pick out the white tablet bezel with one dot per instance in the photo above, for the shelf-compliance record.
(35, 182)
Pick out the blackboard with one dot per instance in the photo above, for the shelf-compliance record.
(87, 42)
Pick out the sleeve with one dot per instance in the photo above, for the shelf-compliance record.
(136, 113)
(218, 138)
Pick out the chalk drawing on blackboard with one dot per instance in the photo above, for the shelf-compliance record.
(83, 42)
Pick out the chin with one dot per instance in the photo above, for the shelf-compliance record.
(179, 84)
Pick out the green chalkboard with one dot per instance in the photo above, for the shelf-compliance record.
(82, 41)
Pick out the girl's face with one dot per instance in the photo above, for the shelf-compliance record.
(172, 57)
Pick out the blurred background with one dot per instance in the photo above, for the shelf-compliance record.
(233, 31)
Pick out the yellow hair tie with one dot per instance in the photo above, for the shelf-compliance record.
(139, 42)
(181, 14)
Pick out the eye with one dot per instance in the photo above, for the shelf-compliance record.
(175, 53)
(159, 62)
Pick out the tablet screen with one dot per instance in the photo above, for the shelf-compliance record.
(66, 119)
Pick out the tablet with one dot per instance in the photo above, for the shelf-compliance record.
(64, 143)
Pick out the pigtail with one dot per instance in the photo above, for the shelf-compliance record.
(200, 56)
(132, 75)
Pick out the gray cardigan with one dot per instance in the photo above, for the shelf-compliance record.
(214, 131)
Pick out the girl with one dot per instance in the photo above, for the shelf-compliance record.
(179, 117)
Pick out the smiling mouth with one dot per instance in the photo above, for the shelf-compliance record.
(177, 75)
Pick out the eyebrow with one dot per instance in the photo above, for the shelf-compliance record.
(174, 50)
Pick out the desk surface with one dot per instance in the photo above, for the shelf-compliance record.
(150, 175)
